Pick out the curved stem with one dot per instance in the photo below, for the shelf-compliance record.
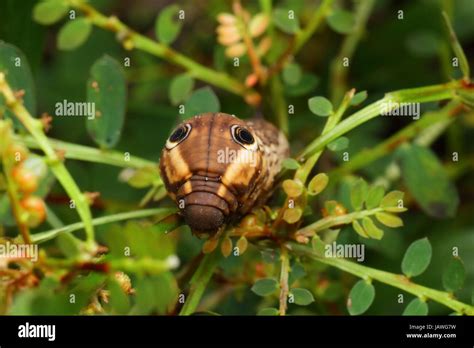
(338, 72)
(284, 289)
(363, 158)
(396, 280)
(132, 39)
(137, 214)
(89, 154)
(35, 128)
(200, 280)
(388, 103)
(316, 19)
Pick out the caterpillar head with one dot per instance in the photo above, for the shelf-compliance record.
(210, 165)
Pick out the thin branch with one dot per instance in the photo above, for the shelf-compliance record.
(338, 73)
(315, 21)
(89, 154)
(132, 39)
(396, 280)
(35, 128)
(200, 280)
(364, 157)
(388, 103)
(284, 288)
(137, 214)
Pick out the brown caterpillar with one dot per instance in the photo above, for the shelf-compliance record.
(217, 168)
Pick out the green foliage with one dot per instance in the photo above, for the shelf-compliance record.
(359, 98)
(341, 21)
(359, 193)
(416, 307)
(360, 298)
(49, 11)
(264, 287)
(201, 100)
(268, 312)
(167, 25)
(339, 144)
(302, 297)
(74, 33)
(15, 65)
(454, 275)
(417, 258)
(284, 20)
(132, 264)
(106, 88)
(292, 74)
(290, 163)
(180, 88)
(320, 106)
(428, 181)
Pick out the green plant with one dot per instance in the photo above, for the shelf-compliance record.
(127, 260)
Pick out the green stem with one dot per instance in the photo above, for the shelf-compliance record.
(200, 280)
(47, 235)
(284, 289)
(35, 128)
(278, 103)
(396, 280)
(132, 39)
(363, 158)
(303, 172)
(331, 221)
(127, 265)
(89, 154)
(315, 21)
(387, 103)
(339, 72)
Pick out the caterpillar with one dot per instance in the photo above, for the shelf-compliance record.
(217, 168)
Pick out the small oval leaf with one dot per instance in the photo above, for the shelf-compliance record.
(371, 229)
(106, 91)
(302, 297)
(427, 181)
(49, 11)
(320, 106)
(416, 307)
(454, 275)
(341, 21)
(285, 20)
(360, 298)
(167, 25)
(417, 257)
(14, 64)
(264, 287)
(374, 196)
(202, 100)
(359, 193)
(389, 220)
(74, 33)
(318, 184)
(181, 87)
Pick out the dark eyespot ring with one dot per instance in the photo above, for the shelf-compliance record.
(242, 135)
(178, 135)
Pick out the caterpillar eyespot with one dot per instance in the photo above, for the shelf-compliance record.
(242, 135)
(221, 169)
(178, 135)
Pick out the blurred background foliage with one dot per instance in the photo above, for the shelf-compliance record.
(393, 54)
